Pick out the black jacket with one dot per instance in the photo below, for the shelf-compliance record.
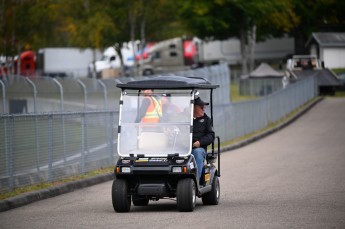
(203, 131)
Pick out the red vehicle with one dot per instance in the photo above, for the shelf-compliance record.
(27, 65)
(144, 53)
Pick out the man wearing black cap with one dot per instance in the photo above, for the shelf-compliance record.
(203, 134)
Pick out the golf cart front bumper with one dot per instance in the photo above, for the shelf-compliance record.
(149, 176)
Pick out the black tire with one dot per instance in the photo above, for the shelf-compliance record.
(147, 72)
(212, 197)
(140, 201)
(186, 195)
(120, 197)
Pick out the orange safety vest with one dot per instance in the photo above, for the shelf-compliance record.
(154, 111)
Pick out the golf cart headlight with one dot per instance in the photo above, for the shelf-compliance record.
(125, 169)
(177, 169)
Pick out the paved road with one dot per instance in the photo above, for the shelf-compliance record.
(294, 178)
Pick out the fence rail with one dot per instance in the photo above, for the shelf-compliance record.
(25, 95)
(238, 119)
(39, 147)
(47, 147)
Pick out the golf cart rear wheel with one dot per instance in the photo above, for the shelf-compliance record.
(140, 201)
(186, 195)
(212, 197)
(120, 197)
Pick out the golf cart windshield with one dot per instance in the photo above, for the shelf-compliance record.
(163, 131)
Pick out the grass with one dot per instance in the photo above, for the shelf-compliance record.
(30, 188)
(235, 95)
(338, 70)
(340, 94)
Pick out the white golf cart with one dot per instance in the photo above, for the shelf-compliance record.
(155, 160)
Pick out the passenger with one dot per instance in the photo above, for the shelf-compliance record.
(203, 133)
(150, 110)
(169, 109)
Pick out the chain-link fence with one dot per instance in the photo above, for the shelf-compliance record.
(71, 127)
(239, 119)
(259, 87)
(46, 147)
(25, 95)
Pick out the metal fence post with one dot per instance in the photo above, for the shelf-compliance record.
(7, 161)
(104, 92)
(109, 118)
(2, 71)
(82, 156)
(84, 127)
(10, 155)
(5, 132)
(111, 136)
(50, 148)
(3, 97)
(85, 93)
(36, 130)
(34, 92)
(62, 118)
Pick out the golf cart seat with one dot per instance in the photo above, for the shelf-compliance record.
(152, 141)
(212, 156)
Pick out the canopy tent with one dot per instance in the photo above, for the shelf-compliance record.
(264, 71)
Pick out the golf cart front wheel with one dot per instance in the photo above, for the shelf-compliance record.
(212, 197)
(186, 195)
(120, 197)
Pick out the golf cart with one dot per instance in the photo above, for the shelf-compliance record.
(155, 159)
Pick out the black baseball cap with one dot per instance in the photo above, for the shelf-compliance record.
(199, 102)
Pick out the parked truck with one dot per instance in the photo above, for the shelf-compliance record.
(301, 66)
(109, 65)
(170, 56)
(180, 54)
(53, 62)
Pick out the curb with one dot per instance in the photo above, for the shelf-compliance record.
(34, 196)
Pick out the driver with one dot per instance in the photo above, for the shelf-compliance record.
(203, 134)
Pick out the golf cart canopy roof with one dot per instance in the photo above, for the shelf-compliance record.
(169, 82)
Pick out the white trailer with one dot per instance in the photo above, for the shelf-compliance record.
(72, 62)
(229, 51)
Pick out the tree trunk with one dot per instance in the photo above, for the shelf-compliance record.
(252, 41)
(300, 41)
(244, 52)
(92, 67)
(142, 40)
(118, 48)
(132, 20)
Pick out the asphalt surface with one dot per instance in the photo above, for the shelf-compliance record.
(294, 178)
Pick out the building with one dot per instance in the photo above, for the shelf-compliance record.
(329, 48)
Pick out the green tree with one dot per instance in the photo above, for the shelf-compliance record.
(316, 16)
(245, 19)
(25, 25)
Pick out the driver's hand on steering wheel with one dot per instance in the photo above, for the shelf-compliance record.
(196, 144)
